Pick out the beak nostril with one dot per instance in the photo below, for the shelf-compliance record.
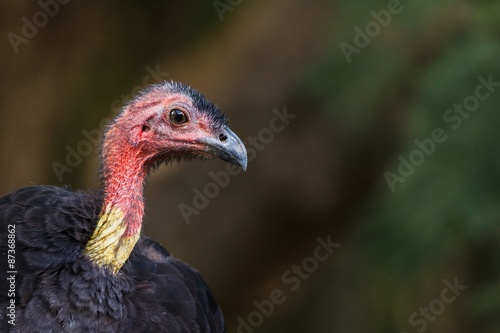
(222, 137)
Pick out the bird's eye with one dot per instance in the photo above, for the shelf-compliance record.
(178, 117)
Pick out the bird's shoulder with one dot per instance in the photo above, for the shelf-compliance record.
(175, 286)
(42, 228)
(47, 226)
(40, 211)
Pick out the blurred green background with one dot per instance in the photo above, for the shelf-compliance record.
(369, 83)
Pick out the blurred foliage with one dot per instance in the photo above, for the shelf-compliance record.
(443, 220)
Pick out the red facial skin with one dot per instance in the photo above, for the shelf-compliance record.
(141, 136)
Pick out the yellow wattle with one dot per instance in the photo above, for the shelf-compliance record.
(108, 246)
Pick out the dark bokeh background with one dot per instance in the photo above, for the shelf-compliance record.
(324, 174)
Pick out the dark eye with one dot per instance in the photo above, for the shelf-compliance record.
(178, 117)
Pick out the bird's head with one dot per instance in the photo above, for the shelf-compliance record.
(172, 121)
(165, 122)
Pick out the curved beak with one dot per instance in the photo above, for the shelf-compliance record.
(228, 147)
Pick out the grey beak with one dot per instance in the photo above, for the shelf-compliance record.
(228, 147)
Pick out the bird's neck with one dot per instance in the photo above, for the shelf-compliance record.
(120, 220)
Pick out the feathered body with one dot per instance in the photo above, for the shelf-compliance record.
(81, 264)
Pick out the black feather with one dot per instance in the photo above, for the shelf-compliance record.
(59, 290)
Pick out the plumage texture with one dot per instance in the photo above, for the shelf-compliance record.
(153, 292)
(60, 286)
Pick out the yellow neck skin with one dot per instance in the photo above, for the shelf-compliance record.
(108, 246)
(119, 225)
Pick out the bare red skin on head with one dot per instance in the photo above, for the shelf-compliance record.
(129, 150)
